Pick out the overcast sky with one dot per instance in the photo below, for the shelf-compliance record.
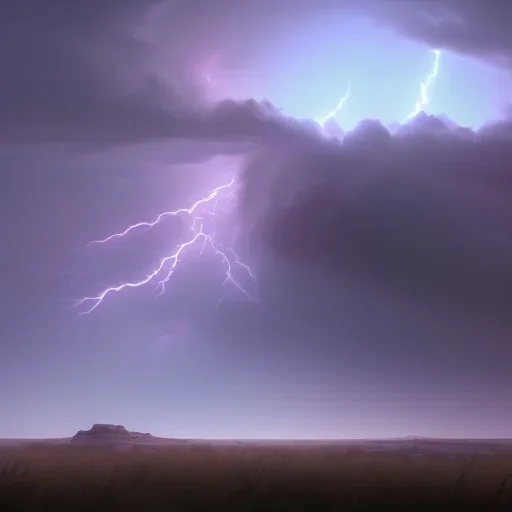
(380, 251)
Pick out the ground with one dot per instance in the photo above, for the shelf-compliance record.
(120, 474)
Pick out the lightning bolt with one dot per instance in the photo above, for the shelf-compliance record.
(334, 112)
(207, 205)
(163, 272)
(424, 87)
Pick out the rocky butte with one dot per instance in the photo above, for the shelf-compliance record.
(104, 433)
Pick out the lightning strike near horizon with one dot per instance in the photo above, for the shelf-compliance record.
(334, 112)
(424, 87)
(162, 273)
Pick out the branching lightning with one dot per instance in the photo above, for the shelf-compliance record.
(424, 87)
(204, 237)
(163, 272)
(335, 111)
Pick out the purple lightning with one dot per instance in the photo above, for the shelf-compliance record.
(424, 87)
(207, 205)
(189, 211)
(334, 112)
(163, 272)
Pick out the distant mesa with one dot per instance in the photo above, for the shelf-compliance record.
(101, 432)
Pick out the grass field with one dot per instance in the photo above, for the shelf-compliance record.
(247, 477)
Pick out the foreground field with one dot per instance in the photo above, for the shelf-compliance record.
(256, 476)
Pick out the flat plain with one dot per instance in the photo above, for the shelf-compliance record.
(166, 474)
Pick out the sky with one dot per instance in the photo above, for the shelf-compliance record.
(351, 279)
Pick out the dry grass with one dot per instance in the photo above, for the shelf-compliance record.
(248, 478)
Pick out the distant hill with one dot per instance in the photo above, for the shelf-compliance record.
(101, 432)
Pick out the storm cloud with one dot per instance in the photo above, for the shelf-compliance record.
(128, 71)
(383, 254)
(425, 216)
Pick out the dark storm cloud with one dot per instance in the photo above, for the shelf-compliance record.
(111, 72)
(70, 68)
(478, 28)
(122, 71)
(83, 73)
(424, 215)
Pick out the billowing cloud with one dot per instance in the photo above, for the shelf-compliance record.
(477, 28)
(87, 75)
(423, 212)
(423, 215)
(132, 70)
